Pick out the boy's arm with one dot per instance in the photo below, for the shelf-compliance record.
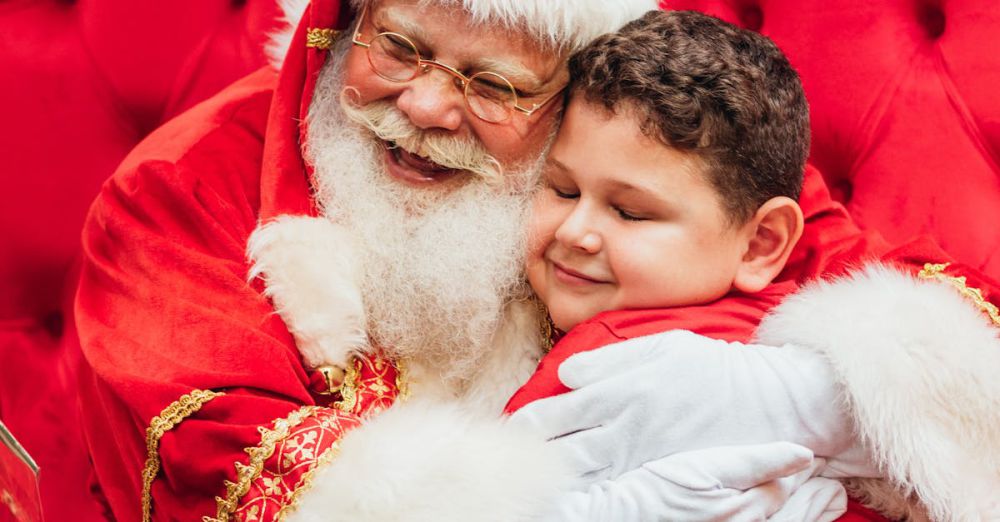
(653, 396)
(908, 364)
(750, 482)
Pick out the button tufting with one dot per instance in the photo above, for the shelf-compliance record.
(53, 324)
(842, 191)
(752, 18)
(932, 18)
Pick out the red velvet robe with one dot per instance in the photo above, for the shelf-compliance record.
(189, 373)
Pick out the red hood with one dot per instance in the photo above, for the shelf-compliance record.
(285, 179)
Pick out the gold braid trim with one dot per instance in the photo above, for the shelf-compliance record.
(321, 38)
(167, 420)
(936, 271)
(349, 390)
(402, 380)
(269, 439)
(307, 481)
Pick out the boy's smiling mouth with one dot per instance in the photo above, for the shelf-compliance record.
(569, 276)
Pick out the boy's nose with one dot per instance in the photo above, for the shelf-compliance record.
(578, 233)
(432, 101)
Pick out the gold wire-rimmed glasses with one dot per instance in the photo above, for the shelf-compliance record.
(488, 95)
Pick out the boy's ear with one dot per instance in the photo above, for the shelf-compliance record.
(771, 235)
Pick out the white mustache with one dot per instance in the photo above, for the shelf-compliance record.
(390, 124)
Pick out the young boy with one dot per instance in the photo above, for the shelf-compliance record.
(669, 198)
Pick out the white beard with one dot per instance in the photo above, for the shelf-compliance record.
(440, 265)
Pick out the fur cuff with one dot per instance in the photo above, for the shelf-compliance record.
(919, 367)
(311, 275)
(424, 462)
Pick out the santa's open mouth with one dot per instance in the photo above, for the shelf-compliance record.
(413, 168)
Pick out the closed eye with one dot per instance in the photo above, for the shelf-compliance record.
(624, 214)
(565, 195)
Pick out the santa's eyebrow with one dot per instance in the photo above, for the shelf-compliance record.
(522, 77)
(402, 25)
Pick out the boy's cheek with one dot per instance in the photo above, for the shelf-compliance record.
(541, 228)
(535, 271)
(536, 246)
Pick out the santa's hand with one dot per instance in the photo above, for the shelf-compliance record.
(733, 483)
(646, 398)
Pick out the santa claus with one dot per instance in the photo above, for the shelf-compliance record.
(378, 179)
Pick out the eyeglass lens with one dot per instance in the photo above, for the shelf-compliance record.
(488, 95)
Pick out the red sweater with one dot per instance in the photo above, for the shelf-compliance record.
(733, 318)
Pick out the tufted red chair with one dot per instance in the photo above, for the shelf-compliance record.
(83, 82)
(906, 129)
(905, 109)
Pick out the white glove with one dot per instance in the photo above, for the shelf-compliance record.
(731, 483)
(819, 499)
(645, 398)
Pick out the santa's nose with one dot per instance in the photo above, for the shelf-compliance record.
(433, 101)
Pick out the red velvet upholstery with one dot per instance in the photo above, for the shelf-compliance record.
(905, 112)
(906, 129)
(83, 83)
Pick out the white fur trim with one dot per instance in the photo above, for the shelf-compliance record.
(570, 24)
(311, 275)
(920, 366)
(423, 462)
(280, 39)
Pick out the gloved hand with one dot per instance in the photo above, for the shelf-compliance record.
(645, 398)
(731, 483)
(820, 499)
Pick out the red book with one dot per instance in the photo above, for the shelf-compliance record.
(19, 498)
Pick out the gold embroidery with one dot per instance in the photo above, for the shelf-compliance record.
(936, 271)
(167, 420)
(307, 480)
(349, 390)
(246, 474)
(321, 38)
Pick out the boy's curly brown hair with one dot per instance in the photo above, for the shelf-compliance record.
(727, 95)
